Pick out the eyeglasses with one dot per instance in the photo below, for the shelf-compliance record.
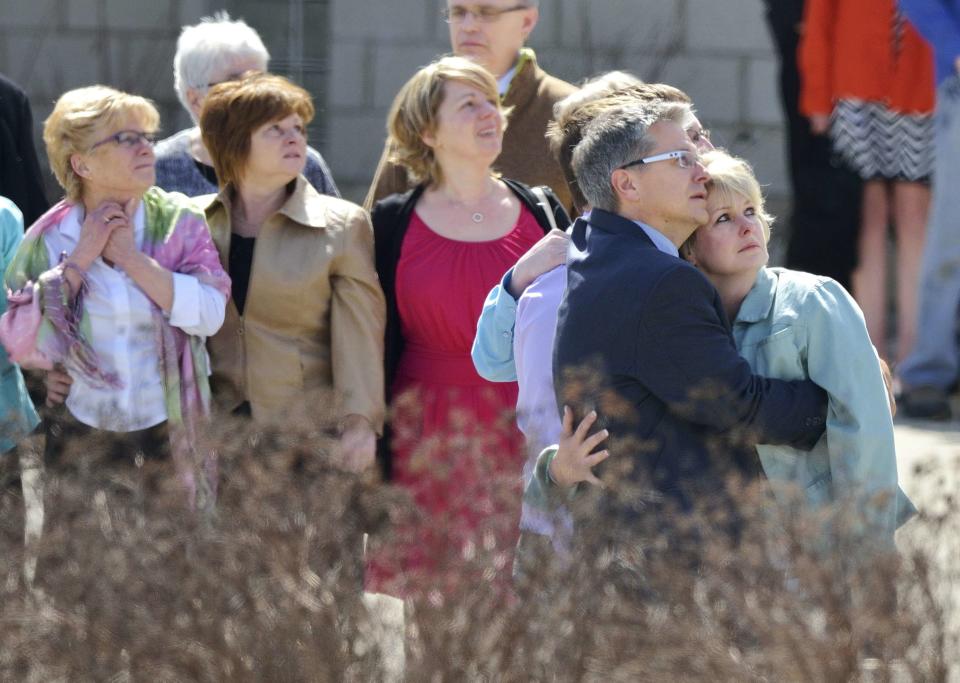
(484, 13)
(128, 139)
(685, 159)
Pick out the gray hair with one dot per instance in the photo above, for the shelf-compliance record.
(593, 89)
(617, 137)
(203, 47)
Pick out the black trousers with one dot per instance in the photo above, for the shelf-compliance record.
(62, 430)
(825, 222)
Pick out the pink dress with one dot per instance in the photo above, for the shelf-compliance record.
(456, 445)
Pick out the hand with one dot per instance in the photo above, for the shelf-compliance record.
(545, 255)
(358, 444)
(120, 246)
(57, 382)
(819, 123)
(574, 461)
(95, 231)
(888, 383)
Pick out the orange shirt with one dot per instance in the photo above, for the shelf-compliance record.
(847, 51)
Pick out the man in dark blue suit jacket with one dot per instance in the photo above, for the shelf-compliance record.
(642, 338)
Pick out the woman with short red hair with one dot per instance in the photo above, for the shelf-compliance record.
(307, 313)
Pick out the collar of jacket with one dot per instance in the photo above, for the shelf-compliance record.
(618, 225)
(523, 86)
(304, 205)
(757, 304)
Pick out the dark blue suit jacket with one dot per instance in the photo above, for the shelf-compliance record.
(683, 408)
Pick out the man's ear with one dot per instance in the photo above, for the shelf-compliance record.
(79, 166)
(624, 185)
(530, 18)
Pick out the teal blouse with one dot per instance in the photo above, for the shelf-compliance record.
(18, 417)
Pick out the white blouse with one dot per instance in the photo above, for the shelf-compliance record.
(124, 335)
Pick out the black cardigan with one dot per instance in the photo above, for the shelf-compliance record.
(391, 217)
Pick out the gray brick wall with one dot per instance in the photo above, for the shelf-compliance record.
(719, 52)
(357, 53)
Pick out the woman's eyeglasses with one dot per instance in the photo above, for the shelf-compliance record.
(128, 139)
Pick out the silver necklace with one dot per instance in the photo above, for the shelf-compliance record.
(476, 216)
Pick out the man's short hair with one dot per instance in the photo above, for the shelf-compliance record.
(204, 47)
(574, 112)
(616, 137)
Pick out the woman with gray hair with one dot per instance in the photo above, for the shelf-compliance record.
(217, 49)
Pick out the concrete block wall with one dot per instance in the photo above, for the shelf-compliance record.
(719, 52)
(358, 53)
(50, 46)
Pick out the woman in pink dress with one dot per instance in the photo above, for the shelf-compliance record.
(440, 247)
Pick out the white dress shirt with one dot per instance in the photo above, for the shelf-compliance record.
(123, 334)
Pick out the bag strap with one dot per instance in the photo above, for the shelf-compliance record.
(545, 204)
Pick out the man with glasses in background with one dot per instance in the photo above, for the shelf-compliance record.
(643, 339)
(492, 33)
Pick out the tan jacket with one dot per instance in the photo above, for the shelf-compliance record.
(314, 314)
(525, 155)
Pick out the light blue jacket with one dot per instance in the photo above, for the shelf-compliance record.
(492, 350)
(17, 414)
(794, 325)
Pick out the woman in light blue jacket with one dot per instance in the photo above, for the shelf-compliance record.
(793, 325)
(17, 414)
(787, 325)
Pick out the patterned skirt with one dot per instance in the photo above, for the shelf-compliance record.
(879, 143)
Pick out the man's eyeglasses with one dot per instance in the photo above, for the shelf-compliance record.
(685, 159)
(128, 139)
(484, 13)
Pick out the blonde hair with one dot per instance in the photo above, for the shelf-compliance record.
(415, 109)
(732, 176)
(81, 116)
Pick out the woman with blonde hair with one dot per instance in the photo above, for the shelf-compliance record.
(117, 286)
(440, 248)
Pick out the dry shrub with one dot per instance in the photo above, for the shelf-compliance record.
(131, 586)
(770, 605)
